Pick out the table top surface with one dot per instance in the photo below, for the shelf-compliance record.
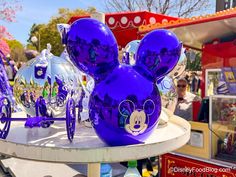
(51, 144)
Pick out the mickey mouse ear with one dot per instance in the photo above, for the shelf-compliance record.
(126, 107)
(158, 53)
(149, 107)
(92, 47)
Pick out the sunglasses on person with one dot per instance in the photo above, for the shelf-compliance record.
(182, 86)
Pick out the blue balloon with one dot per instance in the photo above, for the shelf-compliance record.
(122, 110)
(158, 53)
(125, 104)
(92, 47)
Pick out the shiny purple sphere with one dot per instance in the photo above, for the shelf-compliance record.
(125, 104)
(124, 108)
(92, 47)
(158, 53)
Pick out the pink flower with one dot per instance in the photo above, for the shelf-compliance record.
(8, 10)
(4, 33)
(4, 47)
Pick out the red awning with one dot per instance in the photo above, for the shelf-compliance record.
(125, 25)
(196, 31)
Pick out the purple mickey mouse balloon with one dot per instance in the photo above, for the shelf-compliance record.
(158, 53)
(124, 107)
(125, 104)
(92, 47)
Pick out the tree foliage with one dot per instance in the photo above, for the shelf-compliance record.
(179, 8)
(47, 33)
(17, 50)
(194, 64)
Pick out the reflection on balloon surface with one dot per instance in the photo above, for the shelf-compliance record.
(53, 78)
(168, 93)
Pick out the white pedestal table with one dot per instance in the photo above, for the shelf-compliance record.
(51, 144)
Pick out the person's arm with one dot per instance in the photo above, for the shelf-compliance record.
(195, 86)
(15, 68)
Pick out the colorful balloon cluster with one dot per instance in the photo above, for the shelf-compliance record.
(125, 104)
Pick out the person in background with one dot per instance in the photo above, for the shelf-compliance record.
(185, 99)
(19, 65)
(14, 68)
(187, 78)
(199, 84)
(195, 83)
(9, 72)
